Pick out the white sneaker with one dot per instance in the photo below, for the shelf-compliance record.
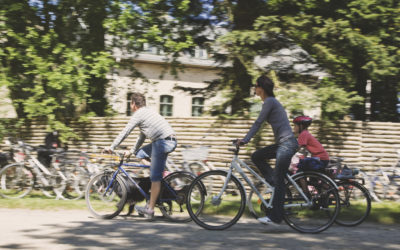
(148, 214)
(267, 221)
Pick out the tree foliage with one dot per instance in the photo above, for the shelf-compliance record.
(47, 78)
(55, 54)
(354, 41)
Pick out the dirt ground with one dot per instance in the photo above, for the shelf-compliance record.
(40, 229)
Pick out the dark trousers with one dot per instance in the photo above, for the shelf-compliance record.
(283, 153)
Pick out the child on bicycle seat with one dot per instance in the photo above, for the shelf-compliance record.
(284, 148)
(309, 143)
(163, 141)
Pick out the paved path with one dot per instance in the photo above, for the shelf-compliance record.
(59, 230)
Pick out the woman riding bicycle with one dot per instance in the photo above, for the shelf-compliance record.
(284, 148)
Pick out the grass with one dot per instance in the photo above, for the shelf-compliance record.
(387, 212)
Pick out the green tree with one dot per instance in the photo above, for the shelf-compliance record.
(47, 78)
(354, 41)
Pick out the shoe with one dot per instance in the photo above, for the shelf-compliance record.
(148, 214)
(267, 221)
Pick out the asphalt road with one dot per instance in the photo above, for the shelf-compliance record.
(39, 229)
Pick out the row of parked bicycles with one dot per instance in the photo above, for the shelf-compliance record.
(67, 174)
(214, 198)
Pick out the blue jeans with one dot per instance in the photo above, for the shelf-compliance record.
(158, 152)
(283, 153)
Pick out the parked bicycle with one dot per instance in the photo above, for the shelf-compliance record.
(384, 182)
(212, 204)
(18, 179)
(107, 192)
(193, 160)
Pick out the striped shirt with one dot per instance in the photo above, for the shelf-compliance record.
(151, 124)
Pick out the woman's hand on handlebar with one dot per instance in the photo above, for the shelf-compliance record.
(107, 150)
(238, 142)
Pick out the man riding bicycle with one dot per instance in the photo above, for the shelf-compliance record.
(163, 141)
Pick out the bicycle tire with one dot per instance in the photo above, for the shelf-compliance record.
(16, 181)
(318, 215)
(77, 180)
(369, 186)
(174, 206)
(355, 203)
(101, 205)
(206, 209)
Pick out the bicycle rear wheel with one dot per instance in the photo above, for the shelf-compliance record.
(16, 181)
(77, 179)
(211, 205)
(355, 203)
(173, 195)
(102, 204)
(318, 214)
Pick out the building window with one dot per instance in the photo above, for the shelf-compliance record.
(148, 48)
(197, 106)
(166, 105)
(200, 53)
(128, 105)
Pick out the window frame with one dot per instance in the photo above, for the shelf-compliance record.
(197, 106)
(169, 105)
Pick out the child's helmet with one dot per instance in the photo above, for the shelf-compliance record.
(303, 120)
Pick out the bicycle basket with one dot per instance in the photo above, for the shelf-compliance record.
(195, 154)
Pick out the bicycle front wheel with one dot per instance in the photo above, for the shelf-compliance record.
(319, 213)
(16, 181)
(103, 203)
(215, 202)
(173, 195)
(355, 203)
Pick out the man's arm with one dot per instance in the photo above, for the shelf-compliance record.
(139, 143)
(133, 122)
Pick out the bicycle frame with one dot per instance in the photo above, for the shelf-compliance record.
(121, 169)
(237, 164)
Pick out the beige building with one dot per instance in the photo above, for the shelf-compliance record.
(161, 93)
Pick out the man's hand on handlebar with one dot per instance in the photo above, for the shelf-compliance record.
(127, 154)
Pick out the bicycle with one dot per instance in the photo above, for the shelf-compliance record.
(355, 200)
(308, 209)
(106, 193)
(192, 160)
(384, 181)
(18, 179)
